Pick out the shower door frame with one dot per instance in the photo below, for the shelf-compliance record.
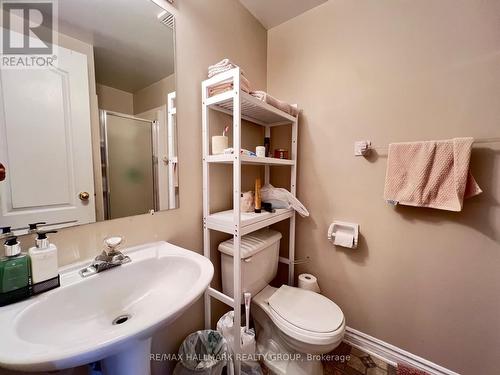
(103, 127)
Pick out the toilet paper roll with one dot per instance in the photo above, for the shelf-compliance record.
(308, 282)
(344, 239)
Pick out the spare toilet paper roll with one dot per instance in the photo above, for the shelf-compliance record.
(308, 282)
(344, 239)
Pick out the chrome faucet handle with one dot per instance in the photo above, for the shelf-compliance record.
(108, 258)
(102, 257)
(112, 243)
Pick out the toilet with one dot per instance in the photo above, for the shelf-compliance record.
(294, 326)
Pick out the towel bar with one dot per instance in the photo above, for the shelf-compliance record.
(363, 148)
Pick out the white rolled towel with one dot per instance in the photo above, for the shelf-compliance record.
(270, 193)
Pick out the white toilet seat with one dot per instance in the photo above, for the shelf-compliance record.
(306, 309)
(291, 320)
(303, 335)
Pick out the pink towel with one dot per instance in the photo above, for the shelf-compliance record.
(227, 86)
(271, 100)
(431, 174)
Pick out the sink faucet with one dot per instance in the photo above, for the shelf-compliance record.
(109, 258)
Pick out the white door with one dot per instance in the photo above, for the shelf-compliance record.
(45, 144)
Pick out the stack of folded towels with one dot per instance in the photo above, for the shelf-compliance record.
(221, 67)
(225, 65)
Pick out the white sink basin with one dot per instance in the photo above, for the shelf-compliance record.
(73, 325)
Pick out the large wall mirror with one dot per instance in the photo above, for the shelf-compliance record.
(92, 137)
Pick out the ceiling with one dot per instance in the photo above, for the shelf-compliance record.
(132, 48)
(271, 13)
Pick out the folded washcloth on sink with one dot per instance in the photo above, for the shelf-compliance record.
(432, 174)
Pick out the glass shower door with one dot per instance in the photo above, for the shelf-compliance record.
(129, 173)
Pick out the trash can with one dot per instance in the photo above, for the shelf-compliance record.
(204, 352)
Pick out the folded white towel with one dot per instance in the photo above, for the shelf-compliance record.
(223, 62)
(222, 66)
(270, 193)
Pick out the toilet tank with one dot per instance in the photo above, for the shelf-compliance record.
(259, 261)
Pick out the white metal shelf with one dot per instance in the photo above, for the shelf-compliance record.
(250, 221)
(242, 106)
(229, 159)
(252, 109)
(220, 296)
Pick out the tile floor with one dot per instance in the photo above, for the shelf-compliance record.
(347, 360)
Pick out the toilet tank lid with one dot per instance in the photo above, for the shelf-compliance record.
(252, 243)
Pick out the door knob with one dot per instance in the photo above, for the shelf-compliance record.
(2, 172)
(84, 196)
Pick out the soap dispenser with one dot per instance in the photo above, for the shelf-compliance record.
(33, 227)
(6, 232)
(43, 256)
(14, 273)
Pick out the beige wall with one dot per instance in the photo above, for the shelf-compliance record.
(112, 99)
(207, 31)
(154, 95)
(427, 281)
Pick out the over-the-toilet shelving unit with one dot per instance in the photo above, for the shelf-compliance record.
(242, 106)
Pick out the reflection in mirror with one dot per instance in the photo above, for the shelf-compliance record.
(92, 137)
(128, 169)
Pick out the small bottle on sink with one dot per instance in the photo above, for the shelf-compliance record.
(43, 256)
(14, 273)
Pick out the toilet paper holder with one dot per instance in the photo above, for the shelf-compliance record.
(351, 228)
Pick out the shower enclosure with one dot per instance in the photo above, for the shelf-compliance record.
(129, 155)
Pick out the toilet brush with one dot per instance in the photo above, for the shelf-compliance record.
(248, 297)
(248, 335)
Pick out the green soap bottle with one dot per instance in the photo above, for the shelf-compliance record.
(14, 267)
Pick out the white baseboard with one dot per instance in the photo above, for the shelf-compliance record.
(391, 354)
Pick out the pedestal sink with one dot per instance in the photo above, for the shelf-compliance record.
(110, 316)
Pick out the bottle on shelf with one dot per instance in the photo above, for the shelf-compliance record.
(258, 197)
